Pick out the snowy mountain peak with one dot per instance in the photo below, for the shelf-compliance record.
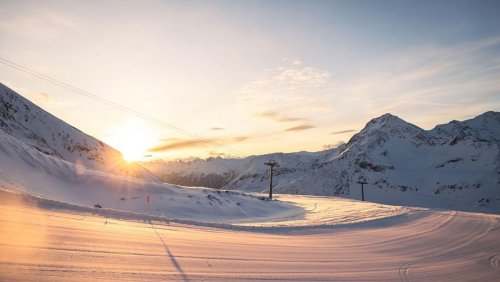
(390, 122)
(378, 130)
(483, 128)
(486, 125)
(385, 117)
(490, 115)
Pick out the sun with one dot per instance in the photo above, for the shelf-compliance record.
(133, 152)
(132, 146)
(132, 140)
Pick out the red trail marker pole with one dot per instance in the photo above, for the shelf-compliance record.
(147, 199)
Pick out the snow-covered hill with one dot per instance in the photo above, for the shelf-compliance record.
(46, 133)
(48, 159)
(456, 165)
(26, 170)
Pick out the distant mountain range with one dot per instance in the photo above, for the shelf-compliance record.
(455, 165)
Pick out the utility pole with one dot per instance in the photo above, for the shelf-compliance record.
(271, 163)
(362, 189)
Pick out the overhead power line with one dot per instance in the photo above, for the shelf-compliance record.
(120, 107)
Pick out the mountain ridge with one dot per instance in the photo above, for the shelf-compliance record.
(457, 162)
(454, 165)
(27, 122)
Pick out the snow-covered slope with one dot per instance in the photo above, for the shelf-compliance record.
(44, 132)
(43, 156)
(24, 169)
(456, 165)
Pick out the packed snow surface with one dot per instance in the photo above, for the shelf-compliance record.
(327, 211)
(48, 245)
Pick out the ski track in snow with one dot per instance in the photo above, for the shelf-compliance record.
(424, 245)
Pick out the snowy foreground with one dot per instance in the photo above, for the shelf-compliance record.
(43, 242)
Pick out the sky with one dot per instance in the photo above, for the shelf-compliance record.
(252, 77)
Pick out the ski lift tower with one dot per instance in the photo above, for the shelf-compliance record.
(362, 182)
(271, 164)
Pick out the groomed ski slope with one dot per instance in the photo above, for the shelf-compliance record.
(426, 245)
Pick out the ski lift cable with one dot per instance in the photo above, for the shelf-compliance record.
(117, 106)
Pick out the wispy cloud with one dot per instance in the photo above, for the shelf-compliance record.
(217, 128)
(334, 145)
(303, 77)
(241, 138)
(280, 117)
(343, 131)
(45, 99)
(180, 145)
(172, 144)
(300, 127)
(285, 94)
(214, 153)
(169, 139)
(41, 22)
(424, 85)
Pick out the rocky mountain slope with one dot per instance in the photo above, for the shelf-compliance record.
(46, 133)
(455, 165)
